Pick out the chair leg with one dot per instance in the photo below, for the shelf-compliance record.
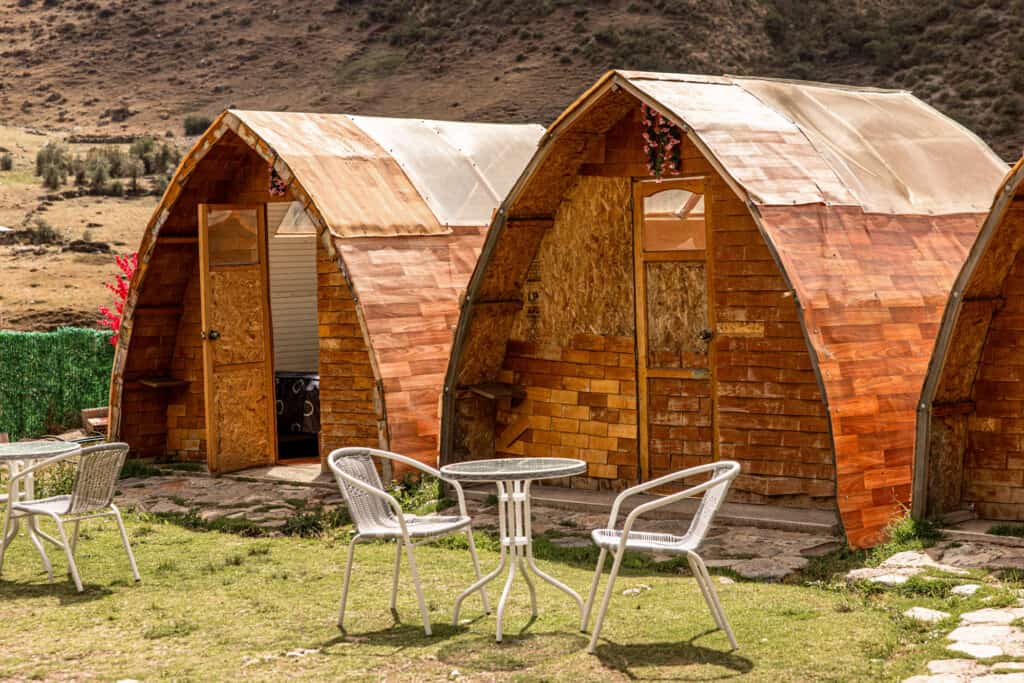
(476, 568)
(344, 585)
(74, 536)
(10, 530)
(124, 540)
(72, 567)
(419, 589)
(607, 598)
(711, 597)
(394, 579)
(593, 589)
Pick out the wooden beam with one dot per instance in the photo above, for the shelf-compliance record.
(952, 408)
(176, 239)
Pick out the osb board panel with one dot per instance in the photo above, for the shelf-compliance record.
(873, 288)
(677, 314)
(409, 291)
(948, 437)
(511, 260)
(557, 172)
(999, 255)
(488, 333)
(580, 280)
(964, 352)
(994, 461)
(236, 311)
(241, 406)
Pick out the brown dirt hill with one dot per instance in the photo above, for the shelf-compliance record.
(135, 65)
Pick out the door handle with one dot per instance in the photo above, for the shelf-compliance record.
(706, 335)
(212, 335)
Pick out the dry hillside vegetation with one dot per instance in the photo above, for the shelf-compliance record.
(142, 65)
(131, 67)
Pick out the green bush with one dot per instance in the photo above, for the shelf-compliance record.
(46, 378)
(196, 124)
(53, 176)
(53, 154)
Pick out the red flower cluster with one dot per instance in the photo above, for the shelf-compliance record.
(277, 186)
(662, 143)
(112, 319)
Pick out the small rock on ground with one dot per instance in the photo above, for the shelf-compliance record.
(928, 616)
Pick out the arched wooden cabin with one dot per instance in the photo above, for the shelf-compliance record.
(791, 280)
(970, 444)
(294, 245)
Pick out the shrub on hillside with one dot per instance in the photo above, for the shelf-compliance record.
(196, 124)
(53, 162)
(155, 157)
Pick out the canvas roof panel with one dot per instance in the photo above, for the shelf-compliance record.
(460, 169)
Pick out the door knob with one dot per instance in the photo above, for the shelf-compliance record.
(213, 335)
(706, 335)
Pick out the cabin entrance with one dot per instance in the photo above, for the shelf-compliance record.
(237, 355)
(292, 267)
(259, 329)
(674, 326)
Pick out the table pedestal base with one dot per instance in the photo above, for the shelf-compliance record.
(516, 551)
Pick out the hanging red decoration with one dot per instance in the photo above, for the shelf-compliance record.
(662, 143)
(277, 186)
(119, 288)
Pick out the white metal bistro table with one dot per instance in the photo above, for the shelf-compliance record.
(513, 477)
(17, 456)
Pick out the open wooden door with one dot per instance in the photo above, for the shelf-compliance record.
(674, 326)
(237, 355)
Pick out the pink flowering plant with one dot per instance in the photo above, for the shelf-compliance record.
(119, 288)
(662, 143)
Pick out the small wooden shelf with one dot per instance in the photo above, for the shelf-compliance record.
(164, 382)
(498, 390)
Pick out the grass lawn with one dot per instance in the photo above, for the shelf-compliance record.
(216, 606)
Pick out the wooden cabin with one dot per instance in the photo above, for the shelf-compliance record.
(970, 442)
(298, 286)
(773, 298)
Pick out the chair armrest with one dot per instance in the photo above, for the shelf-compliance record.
(426, 469)
(654, 483)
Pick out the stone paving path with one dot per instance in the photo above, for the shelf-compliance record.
(751, 552)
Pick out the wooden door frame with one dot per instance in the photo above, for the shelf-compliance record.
(643, 188)
(268, 342)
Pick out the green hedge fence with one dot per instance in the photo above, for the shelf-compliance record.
(46, 378)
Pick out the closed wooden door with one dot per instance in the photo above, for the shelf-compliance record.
(675, 326)
(237, 353)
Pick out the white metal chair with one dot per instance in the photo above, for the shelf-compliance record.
(619, 541)
(377, 515)
(92, 495)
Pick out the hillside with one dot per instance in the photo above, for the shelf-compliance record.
(117, 67)
(112, 65)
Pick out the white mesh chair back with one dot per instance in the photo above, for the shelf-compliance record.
(96, 477)
(720, 480)
(367, 511)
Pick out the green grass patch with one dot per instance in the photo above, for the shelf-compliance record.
(372, 64)
(1016, 530)
(227, 606)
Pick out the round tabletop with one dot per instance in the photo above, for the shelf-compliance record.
(507, 469)
(36, 450)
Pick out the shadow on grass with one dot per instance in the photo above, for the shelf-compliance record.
(515, 653)
(671, 654)
(394, 639)
(64, 590)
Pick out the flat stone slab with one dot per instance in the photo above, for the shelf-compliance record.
(980, 633)
(919, 560)
(990, 615)
(769, 568)
(925, 615)
(886, 576)
(977, 650)
(966, 590)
